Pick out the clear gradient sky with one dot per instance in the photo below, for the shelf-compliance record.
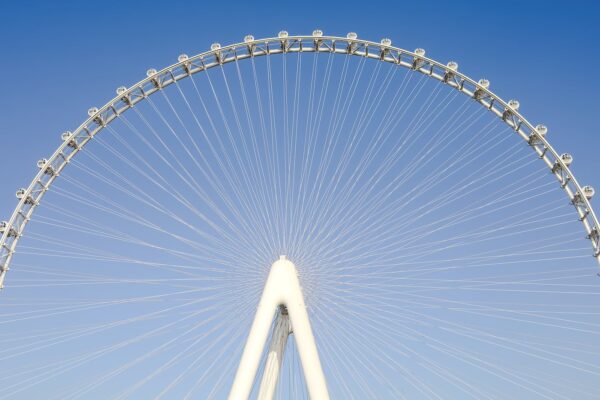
(60, 58)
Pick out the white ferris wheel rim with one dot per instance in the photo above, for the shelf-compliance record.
(99, 118)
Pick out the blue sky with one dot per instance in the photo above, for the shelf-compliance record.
(60, 58)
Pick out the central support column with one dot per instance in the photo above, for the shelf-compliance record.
(272, 369)
(282, 289)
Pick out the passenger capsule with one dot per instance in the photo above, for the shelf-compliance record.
(282, 34)
(420, 52)
(121, 90)
(92, 111)
(182, 57)
(317, 33)
(566, 158)
(588, 192)
(65, 135)
(248, 38)
(215, 46)
(150, 72)
(452, 65)
(514, 104)
(386, 42)
(351, 35)
(484, 83)
(541, 130)
(42, 163)
(20, 193)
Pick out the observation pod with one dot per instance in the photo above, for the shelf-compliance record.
(589, 192)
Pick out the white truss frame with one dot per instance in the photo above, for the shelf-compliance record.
(98, 119)
(283, 273)
(282, 291)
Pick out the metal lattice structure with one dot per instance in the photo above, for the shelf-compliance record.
(292, 316)
(416, 60)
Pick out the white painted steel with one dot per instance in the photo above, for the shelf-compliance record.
(99, 118)
(272, 369)
(281, 289)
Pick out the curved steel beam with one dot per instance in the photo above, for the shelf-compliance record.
(448, 74)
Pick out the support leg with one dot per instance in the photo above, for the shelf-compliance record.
(275, 357)
(282, 289)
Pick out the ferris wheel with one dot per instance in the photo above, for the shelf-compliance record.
(302, 217)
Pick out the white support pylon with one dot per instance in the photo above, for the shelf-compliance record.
(272, 368)
(281, 289)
